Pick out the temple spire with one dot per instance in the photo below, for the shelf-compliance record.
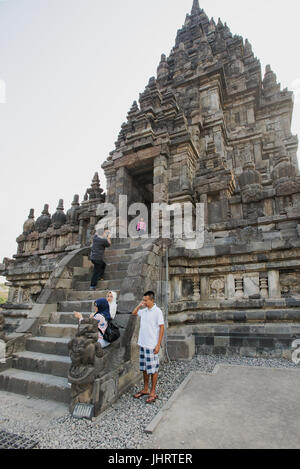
(196, 8)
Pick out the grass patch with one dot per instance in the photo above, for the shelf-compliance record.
(3, 293)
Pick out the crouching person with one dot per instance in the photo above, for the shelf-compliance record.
(150, 339)
(102, 316)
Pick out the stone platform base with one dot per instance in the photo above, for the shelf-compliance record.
(267, 340)
(256, 340)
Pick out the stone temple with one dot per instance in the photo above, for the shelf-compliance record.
(210, 128)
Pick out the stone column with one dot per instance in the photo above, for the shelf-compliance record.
(81, 232)
(122, 187)
(176, 287)
(257, 154)
(203, 200)
(230, 286)
(196, 288)
(204, 288)
(160, 188)
(239, 287)
(160, 179)
(264, 288)
(274, 284)
(224, 204)
(111, 187)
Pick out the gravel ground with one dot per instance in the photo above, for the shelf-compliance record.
(121, 426)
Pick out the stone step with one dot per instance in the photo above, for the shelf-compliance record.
(117, 275)
(114, 265)
(119, 242)
(119, 259)
(14, 313)
(118, 266)
(79, 271)
(81, 306)
(118, 247)
(66, 318)
(16, 306)
(39, 385)
(115, 253)
(86, 295)
(108, 275)
(58, 330)
(103, 285)
(48, 345)
(42, 363)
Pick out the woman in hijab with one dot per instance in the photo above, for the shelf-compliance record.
(102, 315)
(112, 300)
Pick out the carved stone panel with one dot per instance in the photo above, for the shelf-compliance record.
(217, 288)
(251, 285)
(290, 284)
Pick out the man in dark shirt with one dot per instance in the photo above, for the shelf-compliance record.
(97, 256)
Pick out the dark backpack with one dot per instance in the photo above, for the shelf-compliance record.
(111, 333)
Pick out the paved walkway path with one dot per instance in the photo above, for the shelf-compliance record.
(235, 407)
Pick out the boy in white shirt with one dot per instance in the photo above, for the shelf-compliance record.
(150, 338)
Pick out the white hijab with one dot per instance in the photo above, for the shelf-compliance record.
(113, 305)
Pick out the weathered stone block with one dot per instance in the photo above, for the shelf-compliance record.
(181, 349)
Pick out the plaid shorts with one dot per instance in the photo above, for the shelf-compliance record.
(149, 362)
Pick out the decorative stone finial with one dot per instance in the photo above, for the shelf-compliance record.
(152, 82)
(76, 200)
(59, 218)
(220, 24)
(44, 221)
(134, 110)
(196, 8)
(211, 26)
(29, 225)
(95, 190)
(134, 107)
(163, 68)
(284, 174)
(248, 48)
(60, 204)
(72, 218)
(96, 181)
(270, 78)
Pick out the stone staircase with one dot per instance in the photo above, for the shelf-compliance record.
(41, 370)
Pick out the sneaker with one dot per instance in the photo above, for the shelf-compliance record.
(92, 288)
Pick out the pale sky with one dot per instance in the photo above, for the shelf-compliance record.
(71, 70)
